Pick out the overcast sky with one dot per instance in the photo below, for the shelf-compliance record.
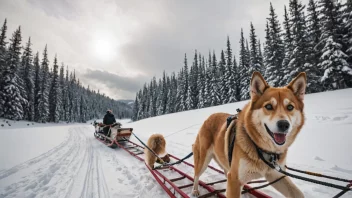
(117, 45)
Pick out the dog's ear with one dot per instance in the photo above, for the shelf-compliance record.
(258, 85)
(298, 85)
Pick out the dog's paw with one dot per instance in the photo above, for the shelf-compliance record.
(195, 193)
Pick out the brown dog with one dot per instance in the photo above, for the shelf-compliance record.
(157, 144)
(271, 120)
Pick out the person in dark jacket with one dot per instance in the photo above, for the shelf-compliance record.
(109, 119)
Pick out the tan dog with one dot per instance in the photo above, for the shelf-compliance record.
(272, 119)
(157, 143)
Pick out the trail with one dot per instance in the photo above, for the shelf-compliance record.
(80, 166)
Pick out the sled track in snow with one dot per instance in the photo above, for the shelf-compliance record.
(7, 172)
(71, 169)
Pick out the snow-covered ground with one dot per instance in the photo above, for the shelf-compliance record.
(66, 161)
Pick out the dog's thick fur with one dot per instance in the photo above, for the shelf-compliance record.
(253, 122)
(157, 143)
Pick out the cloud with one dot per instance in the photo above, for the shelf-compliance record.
(123, 87)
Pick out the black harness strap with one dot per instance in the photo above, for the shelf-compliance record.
(232, 134)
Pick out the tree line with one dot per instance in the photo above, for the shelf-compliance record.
(32, 90)
(316, 38)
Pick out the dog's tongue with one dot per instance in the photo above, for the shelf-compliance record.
(279, 138)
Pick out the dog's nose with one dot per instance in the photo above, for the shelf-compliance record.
(283, 125)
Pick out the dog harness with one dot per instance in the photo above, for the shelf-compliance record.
(232, 134)
(269, 158)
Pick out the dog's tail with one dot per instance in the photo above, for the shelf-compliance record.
(157, 141)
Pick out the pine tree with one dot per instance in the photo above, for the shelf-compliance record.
(236, 71)
(255, 59)
(164, 93)
(44, 100)
(62, 93)
(179, 105)
(10, 95)
(3, 52)
(66, 101)
(185, 86)
(288, 43)
(214, 87)
(208, 83)
(260, 57)
(54, 94)
(135, 109)
(300, 60)
(337, 72)
(314, 34)
(274, 50)
(229, 75)
(347, 21)
(244, 69)
(28, 85)
(37, 87)
(223, 92)
(201, 84)
(193, 79)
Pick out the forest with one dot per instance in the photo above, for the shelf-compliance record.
(314, 38)
(31, 89)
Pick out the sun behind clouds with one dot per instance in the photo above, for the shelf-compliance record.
(104, 49)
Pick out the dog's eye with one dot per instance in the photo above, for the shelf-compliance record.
(269, 107)
(290, 107)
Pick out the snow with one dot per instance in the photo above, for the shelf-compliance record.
(65, 160)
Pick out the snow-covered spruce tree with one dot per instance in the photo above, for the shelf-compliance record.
(159, 100)
(260, 57)
(208, 83)
(236, 89)
(201, 83)
(135, 108)
(28, 84)
(300, 57)
(337, 72)
(37, 88)
(288, 43)
(274, 50)
(43, 104)
(347, 21)
(155, 97)
(189, 99)
(151, 99)
(82, 109)
(230, 79)
(314, 34)
(173, 99)
(244, 68)
(62, 99)
(164, 95)
(193, 79)
(3, 52)
(179, 93)
(256, 64)
(223, 92)
(54, 94)
(140, 107)
(10, 94)
(66, 99)
(70, 90)
(185, 86)
(214, 88)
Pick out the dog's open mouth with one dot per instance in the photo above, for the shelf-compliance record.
(279, 138)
